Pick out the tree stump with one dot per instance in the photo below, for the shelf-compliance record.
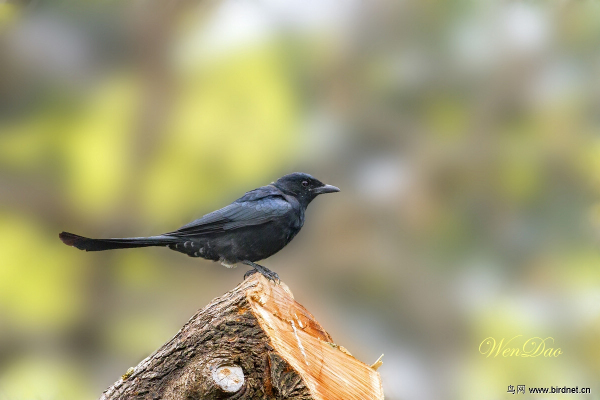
(254, 342)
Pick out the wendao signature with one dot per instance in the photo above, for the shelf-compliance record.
(532, 347)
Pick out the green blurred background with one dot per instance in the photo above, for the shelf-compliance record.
(465, 137)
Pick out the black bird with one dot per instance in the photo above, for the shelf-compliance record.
(252, 228)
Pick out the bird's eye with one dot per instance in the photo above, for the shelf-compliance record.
(305, 183)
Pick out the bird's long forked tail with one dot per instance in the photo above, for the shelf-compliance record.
(87, 244)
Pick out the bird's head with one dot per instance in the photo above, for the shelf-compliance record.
(303, 186)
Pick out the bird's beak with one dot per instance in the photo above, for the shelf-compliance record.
(326, 189)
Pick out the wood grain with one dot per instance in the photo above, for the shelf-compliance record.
(283, 351)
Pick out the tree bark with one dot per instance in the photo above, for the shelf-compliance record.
(254, 342)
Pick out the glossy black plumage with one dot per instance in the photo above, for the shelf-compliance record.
(252, 228)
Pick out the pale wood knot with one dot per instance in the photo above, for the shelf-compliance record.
(229, 378)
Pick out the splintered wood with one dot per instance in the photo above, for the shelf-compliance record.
(328, 370)
(254, 342)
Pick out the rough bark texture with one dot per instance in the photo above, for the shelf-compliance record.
(283, 351)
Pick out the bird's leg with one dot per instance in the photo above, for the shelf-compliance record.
(267, 273)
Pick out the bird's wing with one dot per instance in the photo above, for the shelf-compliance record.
(254, 208)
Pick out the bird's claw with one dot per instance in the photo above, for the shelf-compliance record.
(249, 273)
(267, 273)
(272, 276)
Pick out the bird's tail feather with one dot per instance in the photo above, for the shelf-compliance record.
(87, 244)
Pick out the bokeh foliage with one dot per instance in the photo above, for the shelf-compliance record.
(464, 136)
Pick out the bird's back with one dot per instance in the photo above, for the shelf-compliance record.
(254, 227)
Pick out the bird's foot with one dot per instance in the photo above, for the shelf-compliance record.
(270, 275)
(249, 273)
(264, 271)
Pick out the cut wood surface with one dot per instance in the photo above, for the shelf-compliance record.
(254, 342)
